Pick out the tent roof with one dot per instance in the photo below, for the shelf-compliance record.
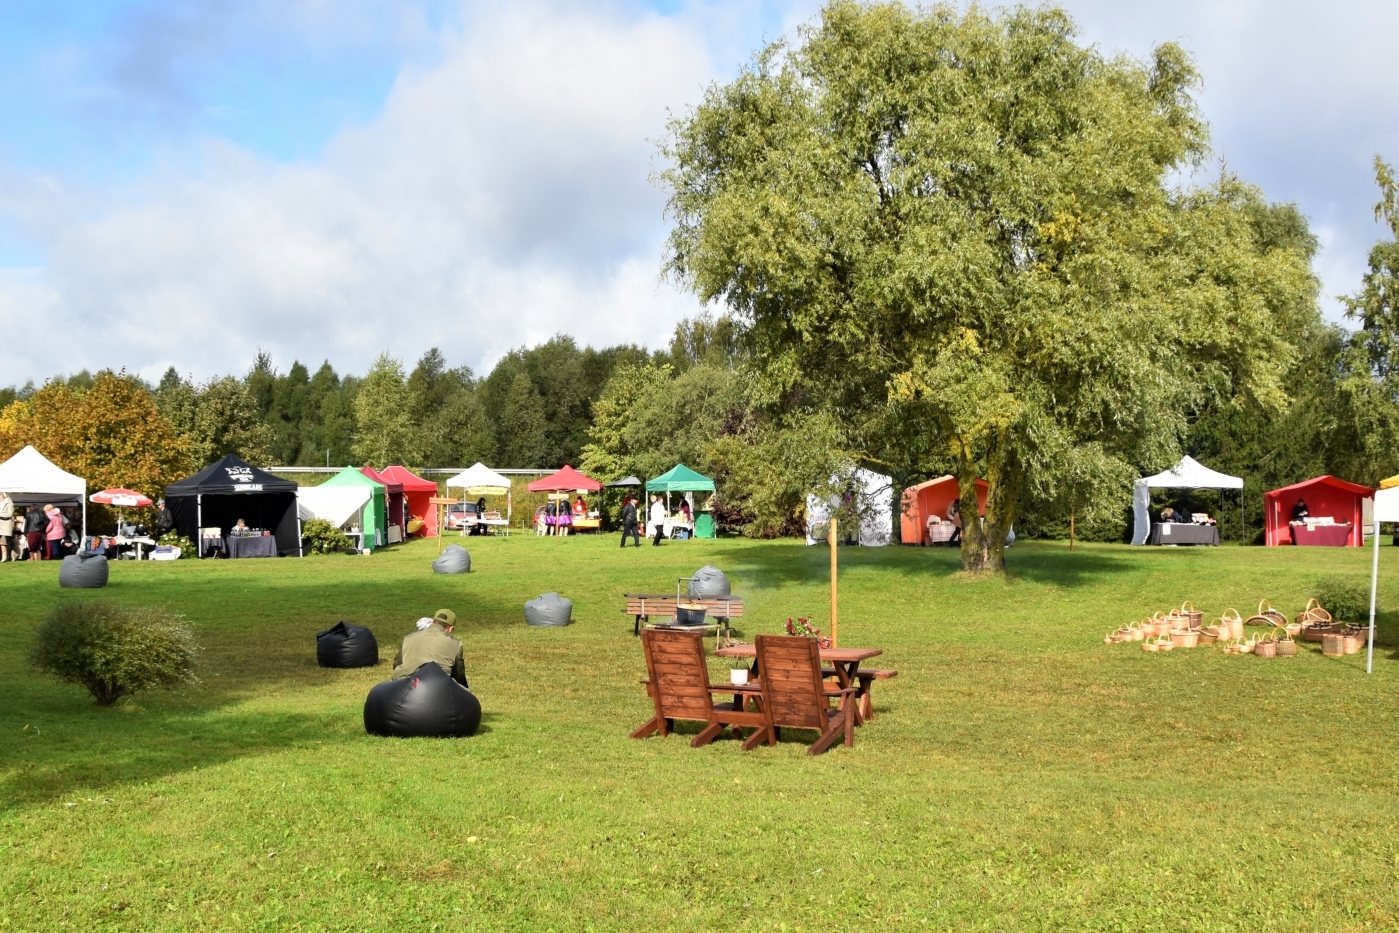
(409, 480)
(478, 476)
(629, 481)
(229, 475)
(352, 477)
(1327, 480)
(1390, 483)
(938, 481)
(566, 480)
(1191, 474)
(680, 478)
(31, 472)
(390, 485)
(335, 504)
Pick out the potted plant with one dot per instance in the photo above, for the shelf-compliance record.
(738, 672)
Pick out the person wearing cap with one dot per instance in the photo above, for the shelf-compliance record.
(435, 643)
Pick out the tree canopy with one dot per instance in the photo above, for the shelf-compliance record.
(957, 234)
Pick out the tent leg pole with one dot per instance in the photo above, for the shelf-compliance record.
(1374, 585)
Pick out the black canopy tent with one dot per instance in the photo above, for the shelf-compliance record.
(231, 489)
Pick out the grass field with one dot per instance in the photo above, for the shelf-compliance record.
(1020, 774)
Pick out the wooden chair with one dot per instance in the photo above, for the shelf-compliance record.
(680, 689)
(794, 695)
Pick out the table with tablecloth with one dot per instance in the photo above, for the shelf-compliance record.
(250, 546)
(1168, 533)
(1337, 535)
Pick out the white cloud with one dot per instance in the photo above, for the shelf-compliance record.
(502, 196)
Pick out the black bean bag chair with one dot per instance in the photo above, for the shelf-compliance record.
(454, 559)
(84, 571)
(346, 645)
(428, 704)
(551, 609)
(709, 581)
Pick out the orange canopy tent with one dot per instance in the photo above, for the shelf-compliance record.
(566, 480)
(1324, 496)
(416, 493)
(929, 498)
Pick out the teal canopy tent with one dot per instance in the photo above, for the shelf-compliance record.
(681, 478)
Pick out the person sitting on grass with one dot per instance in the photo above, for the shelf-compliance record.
(432, 643)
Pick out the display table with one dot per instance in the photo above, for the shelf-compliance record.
(137, 543)
(250, 546)
(1321, 535)
(940, 532)
(1167, 533)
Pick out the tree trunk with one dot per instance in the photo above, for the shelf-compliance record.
(984, 551)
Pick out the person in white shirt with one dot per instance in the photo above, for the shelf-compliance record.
(657, 519)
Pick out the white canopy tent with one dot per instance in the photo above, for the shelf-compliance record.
(1386, 510)
(480, 480)
(30, 477)
(1188, 474)
(876, 503)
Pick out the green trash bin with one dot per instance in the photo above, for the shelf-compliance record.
(704, 525)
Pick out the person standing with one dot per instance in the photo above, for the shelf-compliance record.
(657, 519)
(56, 531)
(629, 522)
(34, 523)
(7, 525)
(954, 515)
(164, 520)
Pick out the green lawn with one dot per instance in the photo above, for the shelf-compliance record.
(1020, 775)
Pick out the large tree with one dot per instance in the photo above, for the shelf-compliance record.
(383, 417)
(956, 234)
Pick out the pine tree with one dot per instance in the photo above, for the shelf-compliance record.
(523, 443)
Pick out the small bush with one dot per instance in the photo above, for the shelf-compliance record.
(1346, 600)
(324, 537)
(115, 651)
(175, 539)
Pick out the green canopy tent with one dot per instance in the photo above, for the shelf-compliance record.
(375, 514)
(681, 478)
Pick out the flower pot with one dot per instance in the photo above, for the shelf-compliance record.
(738, 676)
(689, 614)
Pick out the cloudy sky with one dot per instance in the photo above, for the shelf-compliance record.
(184, 182)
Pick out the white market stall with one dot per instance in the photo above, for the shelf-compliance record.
(339, 505)
(1386, 510)
(875, 494)
(1188, 474)
(480, 480)
(29, 477)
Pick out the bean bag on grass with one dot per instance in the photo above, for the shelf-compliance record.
(347, 645)
(709, 581)
(454, 559)
(83, 571)
(551, 609)
(429, 704)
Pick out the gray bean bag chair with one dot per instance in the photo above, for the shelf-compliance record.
(83, 571)
(551, 609)
(709, 581)
(453, 560)
(347, 645)
(429, 704)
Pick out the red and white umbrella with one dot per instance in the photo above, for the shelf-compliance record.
(122, 498)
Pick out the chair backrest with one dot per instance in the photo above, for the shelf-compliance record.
(679, 675)
(789, 669)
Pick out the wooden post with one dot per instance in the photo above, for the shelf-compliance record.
(1071, 529)
(831, 538)
(440, 503)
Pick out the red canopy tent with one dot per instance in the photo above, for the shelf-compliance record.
(1325, 496)
(928, 498)
(566, 480)
(393, 492)
(416, 493)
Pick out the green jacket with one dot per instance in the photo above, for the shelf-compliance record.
(430, 644)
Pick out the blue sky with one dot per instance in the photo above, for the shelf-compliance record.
(332, 178)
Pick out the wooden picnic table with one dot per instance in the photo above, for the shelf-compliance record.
(844, 666)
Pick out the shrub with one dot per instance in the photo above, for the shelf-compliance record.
(324, 537)
(115, 651)
(1346, 600)
(175, 539)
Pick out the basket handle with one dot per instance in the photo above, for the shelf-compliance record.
(1187, 606)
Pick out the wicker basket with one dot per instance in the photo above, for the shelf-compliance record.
(1267, 615)
(1266, 649)
(1352, 644)
(1318, 630)
(1313, 613)
(1331, 644)
(1185, 638)
(1209, 635)
(1191, 614)
(1287, 649)
(1231, 624)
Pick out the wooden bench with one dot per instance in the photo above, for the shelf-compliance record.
(866, 680)
(645, 605)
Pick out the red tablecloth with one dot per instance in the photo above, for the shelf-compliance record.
(1321, 535)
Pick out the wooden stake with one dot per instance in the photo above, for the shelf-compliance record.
(1071, 529)
(835, 613)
